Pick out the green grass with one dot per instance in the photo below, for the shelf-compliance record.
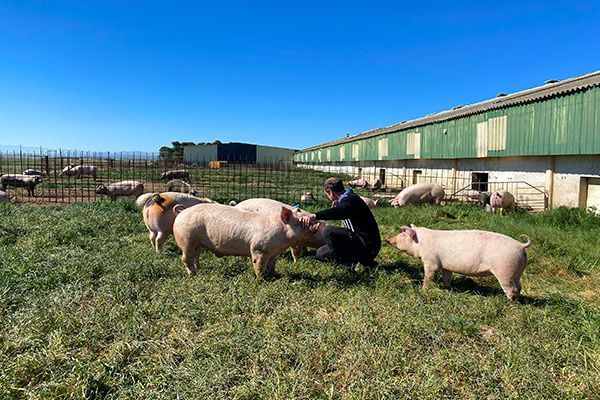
(89, 311)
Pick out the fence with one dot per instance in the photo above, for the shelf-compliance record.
(235, 180)
(220, 181)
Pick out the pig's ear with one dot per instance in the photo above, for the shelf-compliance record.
(177, 208)
(285, 214)
(412, 233)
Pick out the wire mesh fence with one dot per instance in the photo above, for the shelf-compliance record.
(75, 176)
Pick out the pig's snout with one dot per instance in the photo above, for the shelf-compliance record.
(391, 240)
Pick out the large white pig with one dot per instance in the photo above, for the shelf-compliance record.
(473, 253)
(122, 188)
(419, 193)
(502, 199)
(227, 231)
(261, 205)
(159, 215)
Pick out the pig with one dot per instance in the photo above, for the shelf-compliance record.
(419, 193)
(502, 199)
(80, 170)
(482, 198)
(177, 185)
(176, 174)
(32, 172)
(307, 198)
(370, 202)
(227, 231)
(4, 197)
(467, 252)
(361, 183)
(122, 188)
(159, 215)
(19, 180)
(264, 206)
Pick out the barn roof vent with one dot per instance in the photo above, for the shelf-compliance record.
(502, 94)
(457, 107)
(551, 81)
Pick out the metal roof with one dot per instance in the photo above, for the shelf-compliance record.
(551, 89)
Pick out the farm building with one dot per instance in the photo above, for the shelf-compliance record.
(542, 144)
(237, 153)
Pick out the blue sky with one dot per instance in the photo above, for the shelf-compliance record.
(136, 75)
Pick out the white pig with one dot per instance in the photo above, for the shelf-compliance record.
(226, 231)
(419, 193)
(502, 199)
(261, 205)
(472, 253)
(159, 215)
(122, 188)
(370, 202)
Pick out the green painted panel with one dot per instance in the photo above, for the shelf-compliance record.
(568, 124)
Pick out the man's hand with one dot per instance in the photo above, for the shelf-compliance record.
(306, 219)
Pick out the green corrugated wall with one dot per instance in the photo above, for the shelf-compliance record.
(568, 124)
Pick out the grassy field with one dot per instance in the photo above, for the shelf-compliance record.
(89, 311)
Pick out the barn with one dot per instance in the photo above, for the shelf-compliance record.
(542, 144)
(237, 153)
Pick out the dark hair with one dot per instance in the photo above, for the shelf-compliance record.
(335, 184)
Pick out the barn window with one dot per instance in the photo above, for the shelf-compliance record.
(383, 148)
(479, 181)
(312, 155)
(319, 154)
(482, 136)
(342, 153)
(355, 151)
(496, 133)
(328, 157)
(413, 144)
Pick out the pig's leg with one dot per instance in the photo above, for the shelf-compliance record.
(294, 250)
(190, 258)
(153, 239)
(511, 287)
(271, 266)
(447, 278)
(160, 240)
(430, 270)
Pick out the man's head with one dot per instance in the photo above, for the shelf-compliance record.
(334, 188)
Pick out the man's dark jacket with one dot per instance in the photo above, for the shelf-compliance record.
(357, 217)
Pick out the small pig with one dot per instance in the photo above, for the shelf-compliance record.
(370, 202)
(227, 231)
(29, 182)
(4, 197)
(176, 174)
(472, 253)
(122, 188)
(361, 183)
(80, 170)
(177, 185)
(265, 206)
(307, 198)
(502, 199)
(159, 215)
(32, 172)
(419, 193)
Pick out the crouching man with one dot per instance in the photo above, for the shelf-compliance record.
(358, 239)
